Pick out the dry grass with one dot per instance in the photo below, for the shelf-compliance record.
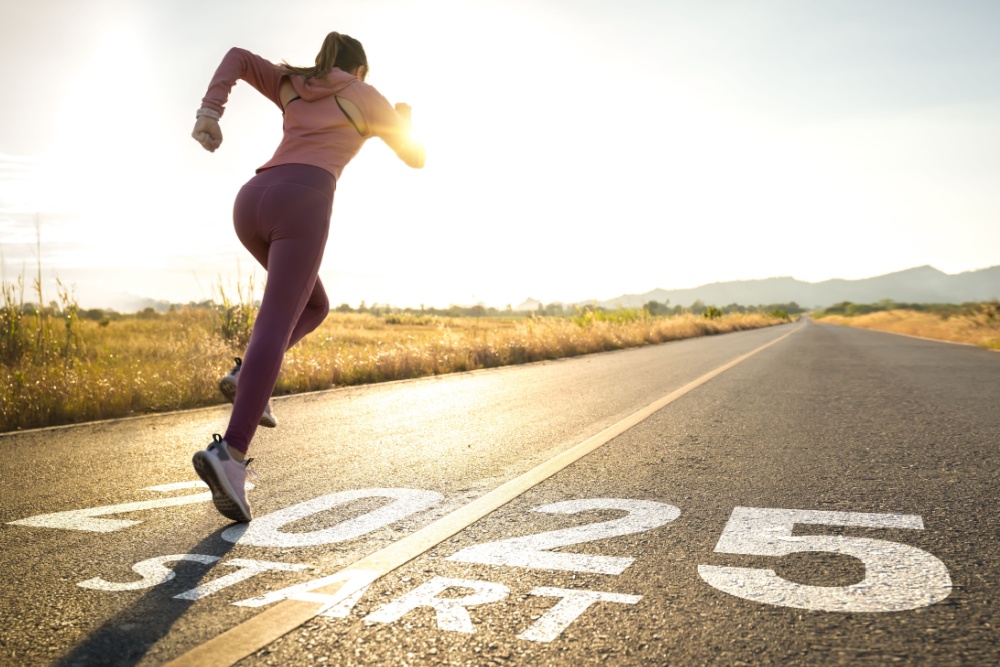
(173, 361)
(358, 348)
(130, 366)
(978, 325)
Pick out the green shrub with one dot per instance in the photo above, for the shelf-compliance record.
(712, 313)
(588, 315)
(409, 319)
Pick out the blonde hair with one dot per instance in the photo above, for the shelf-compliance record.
(340, 51)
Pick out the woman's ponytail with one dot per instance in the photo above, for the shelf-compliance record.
(340, 51)
(326, 59)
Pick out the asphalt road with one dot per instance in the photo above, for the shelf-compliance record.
(831, 499)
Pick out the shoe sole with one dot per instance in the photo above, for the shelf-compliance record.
(228, 388)
(223, 496)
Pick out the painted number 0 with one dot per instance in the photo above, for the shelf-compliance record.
(266, 531)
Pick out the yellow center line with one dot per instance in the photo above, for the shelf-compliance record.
(254, 634)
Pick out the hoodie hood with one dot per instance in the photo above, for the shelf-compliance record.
(318, 88)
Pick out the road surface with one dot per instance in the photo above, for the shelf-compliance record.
(829, 499)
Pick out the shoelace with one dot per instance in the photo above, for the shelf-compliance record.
(217, 442)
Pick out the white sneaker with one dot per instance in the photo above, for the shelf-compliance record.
(226, 478)
(267, 419)
(227, 386)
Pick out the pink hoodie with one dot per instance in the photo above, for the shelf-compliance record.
(317, 132)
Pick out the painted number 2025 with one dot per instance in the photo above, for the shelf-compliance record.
(897, 576)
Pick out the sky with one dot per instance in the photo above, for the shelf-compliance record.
(577, 149)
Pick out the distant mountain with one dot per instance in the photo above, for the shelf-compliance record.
(923, 284)
(129, 303)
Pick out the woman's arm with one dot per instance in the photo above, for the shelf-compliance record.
(240, 64)
(392, 125)
(237, 64)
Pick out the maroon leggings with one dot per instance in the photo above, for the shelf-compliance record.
(282, 216)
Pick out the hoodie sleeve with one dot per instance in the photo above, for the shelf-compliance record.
(394, 130)
(241, 64)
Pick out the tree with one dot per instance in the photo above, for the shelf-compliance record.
(552, 310)
(657, 308)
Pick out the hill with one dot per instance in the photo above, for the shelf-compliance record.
(923, 284)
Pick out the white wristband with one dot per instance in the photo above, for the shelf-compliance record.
(209, 113)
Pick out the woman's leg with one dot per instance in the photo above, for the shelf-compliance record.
(318, 306)
(316, 310)
(284, 225)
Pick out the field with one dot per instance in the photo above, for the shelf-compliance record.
(977, 324)
(58, 367)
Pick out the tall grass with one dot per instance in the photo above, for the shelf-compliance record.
(975, 323)
(13, 336)
(57, 367)
(130, 366)
(361, 348)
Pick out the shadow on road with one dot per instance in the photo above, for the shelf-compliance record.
(126, 638)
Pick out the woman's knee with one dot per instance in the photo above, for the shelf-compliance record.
(318, 306)
(320, 301)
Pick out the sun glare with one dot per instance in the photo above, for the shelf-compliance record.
(565, 138)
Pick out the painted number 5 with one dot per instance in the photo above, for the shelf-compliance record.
(897, 576)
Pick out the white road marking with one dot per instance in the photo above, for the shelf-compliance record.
(85, 519)
(339, 605)
(243, 640)
(897, 576)
(571, 607)
(451, 612)
(532, 550)
(248, 568)
(266, 530)
(152, 571)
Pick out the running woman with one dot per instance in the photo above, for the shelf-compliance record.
(282, 216)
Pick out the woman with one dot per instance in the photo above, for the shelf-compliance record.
(282, 216)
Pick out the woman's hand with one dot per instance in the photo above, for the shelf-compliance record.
(207, 133)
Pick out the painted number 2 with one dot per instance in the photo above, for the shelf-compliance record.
(88, 519)
(533, 550)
